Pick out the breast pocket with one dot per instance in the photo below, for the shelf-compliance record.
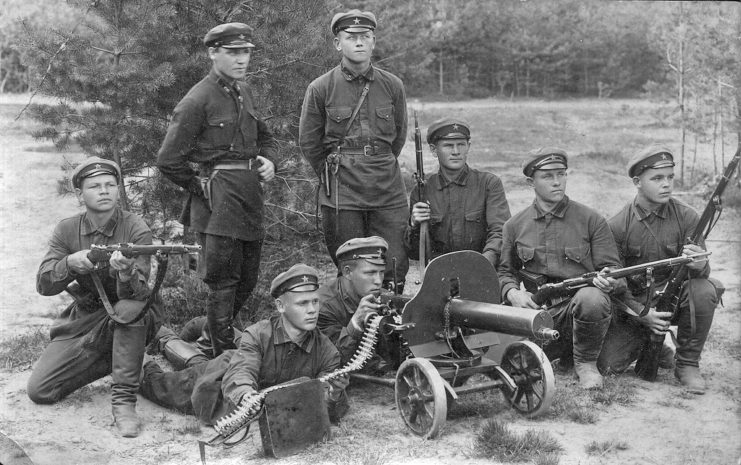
(525, 253)
(337, 118)
(475, 229)
(385, 120)
(219, 132)
(578, 254)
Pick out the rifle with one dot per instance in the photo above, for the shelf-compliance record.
(127, 311)
(542, 291)
(647, 365)
(100, 254)
(419, 177)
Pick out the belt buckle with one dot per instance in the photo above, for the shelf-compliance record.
(367, 150)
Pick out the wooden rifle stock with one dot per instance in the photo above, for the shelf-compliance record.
(424, 235)
(647, 365)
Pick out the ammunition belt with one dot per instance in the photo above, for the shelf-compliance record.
(249, 408)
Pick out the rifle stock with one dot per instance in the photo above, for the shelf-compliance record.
(647, 365)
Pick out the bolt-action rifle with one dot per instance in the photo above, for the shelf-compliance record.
(100, 254)
(543, 291)
(128, 311)
(647, 364)
(419, 177)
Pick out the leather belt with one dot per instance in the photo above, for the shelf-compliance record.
(235, 165)
(367, 150)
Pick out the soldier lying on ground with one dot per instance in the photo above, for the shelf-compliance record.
(87, 344)
(346, 302)
(285, 347)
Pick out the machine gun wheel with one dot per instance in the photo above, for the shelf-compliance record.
(531, 371)
(420, 397)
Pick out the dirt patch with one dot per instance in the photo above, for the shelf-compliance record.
(662, 425)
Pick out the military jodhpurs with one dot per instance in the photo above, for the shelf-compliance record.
(589, 306)
(626, 336)
(388, 223)
(69, 364)
(228, 263)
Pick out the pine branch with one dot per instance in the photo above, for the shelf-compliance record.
(62, 46)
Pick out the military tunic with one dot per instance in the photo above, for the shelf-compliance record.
(337, 304)
(467, 213)
(216, 122)
(366, 182)
(570, 240)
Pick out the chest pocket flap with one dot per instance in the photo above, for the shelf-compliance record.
(578, 253)
(474, 216)
(525, 253)
(338, 114)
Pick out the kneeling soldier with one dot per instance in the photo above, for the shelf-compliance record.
(88, 344)
(285, 347)
(654, 226)
(559, 239)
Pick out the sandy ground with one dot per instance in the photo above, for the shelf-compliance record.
(663, 426)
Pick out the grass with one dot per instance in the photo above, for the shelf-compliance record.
(619, 390)
(603, 447)
(20, 352)
(497, 441)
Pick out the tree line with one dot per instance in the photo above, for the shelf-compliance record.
(120, 66)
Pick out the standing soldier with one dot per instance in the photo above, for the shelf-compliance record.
(353, 126)
(655, 226)
(87, 344)
(215, 125)
(558, 238)
(466, 208)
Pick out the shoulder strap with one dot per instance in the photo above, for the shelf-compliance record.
(355, 112)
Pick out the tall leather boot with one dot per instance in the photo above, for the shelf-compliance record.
(689, 349)
(588, 337)
(127, 357)
(219, 317)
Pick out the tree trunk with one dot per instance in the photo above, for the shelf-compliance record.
(681, 96)
(440, 70)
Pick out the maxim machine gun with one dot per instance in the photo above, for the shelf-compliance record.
(448, 327)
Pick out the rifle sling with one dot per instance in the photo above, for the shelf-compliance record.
(161, 270)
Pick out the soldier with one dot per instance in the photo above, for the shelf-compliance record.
(285, 347)
(87, 345)
(559, 239)
(215, 126)
(466, 208)
(353, 126)
(655, 226)
(346, 302)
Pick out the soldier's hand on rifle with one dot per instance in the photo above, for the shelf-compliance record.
(78, 262)
(266, 171)
(698, 264)
(420, 213)
(125, 266)
(521, 299)
(657, 322)
(367, 305)
(604, 283)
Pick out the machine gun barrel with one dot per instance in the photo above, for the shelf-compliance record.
(525, 322)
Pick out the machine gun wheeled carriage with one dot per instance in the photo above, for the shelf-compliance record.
(448, 327)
